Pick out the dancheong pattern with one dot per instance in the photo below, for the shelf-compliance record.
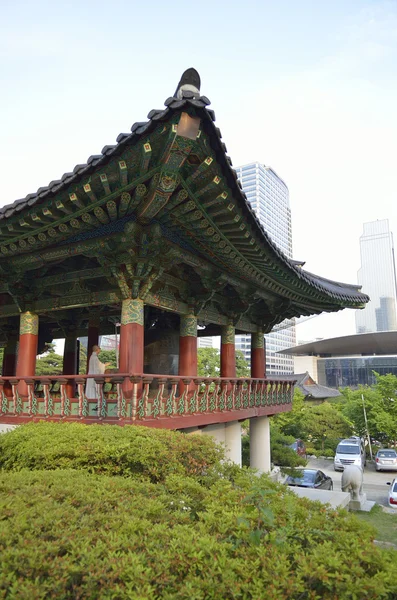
(227, 336)
(132, 311)
(257, 340)
(29, 323)
(188, 326)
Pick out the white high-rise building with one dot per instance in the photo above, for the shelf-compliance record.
(377, 276)
(204, 342)
(269, 197)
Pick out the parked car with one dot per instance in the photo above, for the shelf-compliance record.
(310, 478)
(299, 447)
(350, 451)
(393, 493)
(386, 460)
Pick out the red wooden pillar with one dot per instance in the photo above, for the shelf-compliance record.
(10, 357)
(131, 340)
(27, 351)
(258, 357)
(93, 335)
(228, 351)
(187, 348)
(188, 345)
(70, 362)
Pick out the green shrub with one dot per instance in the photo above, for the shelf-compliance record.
(328, 453)
(284, 456)
(107, 449)
(74, 535)
(311, 451)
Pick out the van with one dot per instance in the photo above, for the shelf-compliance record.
(350, 451)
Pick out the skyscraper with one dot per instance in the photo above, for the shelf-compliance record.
(269, 197)
(377, 275)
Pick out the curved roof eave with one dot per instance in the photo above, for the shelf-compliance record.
(346, 294)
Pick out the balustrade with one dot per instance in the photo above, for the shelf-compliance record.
(151, 397)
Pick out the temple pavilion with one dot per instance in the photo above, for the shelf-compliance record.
(156, 233)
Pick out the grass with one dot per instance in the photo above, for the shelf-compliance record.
(384, 523)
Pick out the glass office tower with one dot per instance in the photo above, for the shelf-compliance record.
(269, 197)
(377, 276)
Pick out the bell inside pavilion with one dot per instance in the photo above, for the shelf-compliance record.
(154, 233)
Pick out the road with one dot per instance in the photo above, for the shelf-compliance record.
(374, 481)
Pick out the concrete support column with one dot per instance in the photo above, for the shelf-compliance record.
(93, 335)
(233, 442)
(260, 444)
(217, 431)
(27, 351)
(10, 357)
(258, 356)
(70, 362)
(228, 351)
(131, 347)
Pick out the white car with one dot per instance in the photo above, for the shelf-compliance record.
(349, 452)
(393, 493)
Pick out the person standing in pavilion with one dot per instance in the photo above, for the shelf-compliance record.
(95, 367)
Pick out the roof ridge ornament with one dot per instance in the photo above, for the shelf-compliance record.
(189, 85)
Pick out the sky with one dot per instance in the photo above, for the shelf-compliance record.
(309, 88)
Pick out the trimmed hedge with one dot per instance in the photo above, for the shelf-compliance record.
(73, 535)
(177, 525)
(107, 449)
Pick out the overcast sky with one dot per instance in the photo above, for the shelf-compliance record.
(309, 88)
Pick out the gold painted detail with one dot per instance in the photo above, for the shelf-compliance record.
(29, 323)
(188, 326)
(132, 311)
(227, 334)
(257, 340)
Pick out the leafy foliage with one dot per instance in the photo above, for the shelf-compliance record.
(381, 407)
(108, 356)
(107, 449)
(50, 363)
(70, 534)
(293, 422)
(208, 363)
(324, 423)
(281, 454)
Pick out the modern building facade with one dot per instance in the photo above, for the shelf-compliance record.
(268, 195)
(204, 342)
(377, 276)
(348, 361)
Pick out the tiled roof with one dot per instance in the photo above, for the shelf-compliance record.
(344, 293)
(314, 390)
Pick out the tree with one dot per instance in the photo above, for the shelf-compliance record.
(292, 422)
(108, 356)
(242, 367)
(386, 416)
(208, 363)
(49, 363)
(324, 423)
(380, 405)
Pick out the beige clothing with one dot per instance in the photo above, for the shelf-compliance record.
(95, 367)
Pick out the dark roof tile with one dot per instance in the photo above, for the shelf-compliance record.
(344, 292)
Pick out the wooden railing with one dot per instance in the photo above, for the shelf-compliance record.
(137, 398)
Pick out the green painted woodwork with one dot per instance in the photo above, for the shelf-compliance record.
(258, 340)
(132, 311)
(29, 323)
(227, 334)
(188, 326)
(180, 183)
